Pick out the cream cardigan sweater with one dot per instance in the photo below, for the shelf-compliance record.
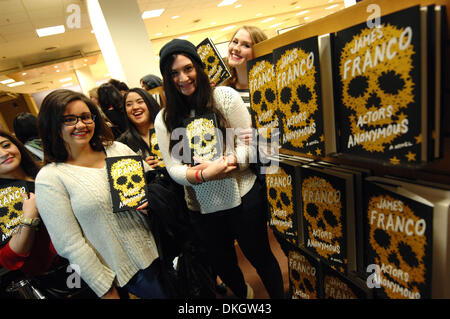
(222, 194)
(75, 205)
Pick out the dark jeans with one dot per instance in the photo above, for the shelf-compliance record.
(247, 224)
(145, 283)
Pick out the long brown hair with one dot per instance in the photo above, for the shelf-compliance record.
(178, 106)
(257, 35)
(29, 166)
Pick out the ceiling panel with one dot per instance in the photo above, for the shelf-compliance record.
(22, 50)
(41, 4)
(10, 6)
(13, 17)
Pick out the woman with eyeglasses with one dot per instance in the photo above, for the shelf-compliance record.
(73, 196)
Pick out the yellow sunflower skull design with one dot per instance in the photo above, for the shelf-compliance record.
(302, 277)
(297, 97)
(322, 215)
(128, 179)
(211, 62)
(154, 148)
(11, 210)
(279, 195)
(377, 86)
(401, 254)
(263, 97)
(203, 141)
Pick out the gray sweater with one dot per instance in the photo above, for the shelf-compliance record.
(75, 205)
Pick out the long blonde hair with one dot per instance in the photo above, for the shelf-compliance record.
(257, 35)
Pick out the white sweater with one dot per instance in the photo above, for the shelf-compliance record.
(75, 205)
(222, 194)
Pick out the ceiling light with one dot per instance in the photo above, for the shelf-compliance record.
(302, 12)
(259, 14)
(183, 37)
(158, 34)
(24, 73)
(85, 60)
(152, 13)
(65, 80)
(331, 7)
(228, 28)
(58, 70)
(7, 81)
(67, 84)
(50, 31)
(238, 6)
(175, 17)
(348, 3)
(306, 18)
(276, 25)
(226, 3)
(55, 66)
(16, 84)
(268, 19)
(213, 23)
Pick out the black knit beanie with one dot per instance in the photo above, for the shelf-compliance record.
(178, 46)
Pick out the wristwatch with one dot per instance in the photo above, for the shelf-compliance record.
(31, 222)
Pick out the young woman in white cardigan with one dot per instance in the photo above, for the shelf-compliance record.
(72, 194)
(222, 194)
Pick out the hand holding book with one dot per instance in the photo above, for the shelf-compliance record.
(152, 161)
(217, 169)
(29, 206)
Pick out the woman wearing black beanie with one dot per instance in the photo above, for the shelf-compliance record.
(222, 194)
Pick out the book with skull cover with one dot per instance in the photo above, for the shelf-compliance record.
(298, 84)
(203, 138)
(328, 212)
(337, 286)
(359, 175)
(380, 86)
(407, 228)
(263, 95)
(305, 274)
(284, 201)
(127, 182)
(214, 65)
(154, 148)
(11, 201)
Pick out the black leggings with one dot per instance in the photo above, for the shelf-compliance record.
(246, 223)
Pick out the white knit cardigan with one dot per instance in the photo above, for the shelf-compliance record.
(75, 205)
(222, 194)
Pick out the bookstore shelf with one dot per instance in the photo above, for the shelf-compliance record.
(398, 208)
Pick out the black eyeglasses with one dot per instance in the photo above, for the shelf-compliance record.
(71, 120)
